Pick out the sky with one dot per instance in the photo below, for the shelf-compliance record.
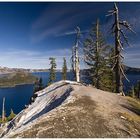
(31, 32)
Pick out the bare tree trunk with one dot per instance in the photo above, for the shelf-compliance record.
(118, 65)
(118, 74)
(77, 69)
(75, 57)
(3, 110)
(97, 53)
(73, 61)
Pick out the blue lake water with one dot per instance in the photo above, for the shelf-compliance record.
(15, 97)
(19, 96)
(133, 79)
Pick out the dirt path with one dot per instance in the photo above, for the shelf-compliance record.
(114, 108)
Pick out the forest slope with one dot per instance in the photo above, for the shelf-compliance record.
(16, 78)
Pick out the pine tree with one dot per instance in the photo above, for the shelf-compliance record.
(11, 116)
(64, 69)
(95, 56)
(38, 85)
(52, 70)
(109, 74)
(135, 91)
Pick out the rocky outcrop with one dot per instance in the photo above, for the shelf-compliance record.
(70, 109)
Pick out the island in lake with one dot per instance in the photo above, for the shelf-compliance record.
(16, 78)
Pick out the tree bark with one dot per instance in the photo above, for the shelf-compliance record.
(118, 74)
(75, 57)
(97, 53)
(3, 110)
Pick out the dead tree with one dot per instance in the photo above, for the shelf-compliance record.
(75, 56)
(117, 30)
(97, 54)
(3, 110)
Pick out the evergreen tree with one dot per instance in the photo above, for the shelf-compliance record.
(3, 121)
(38, 85)
(96, 54)
(52, 70)
(109, 74)
(11, 116)
(135, 91)
(64, 69)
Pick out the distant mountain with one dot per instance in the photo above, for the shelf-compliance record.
(128, 70)
(5, 70)
(131, 70)
(38, 70)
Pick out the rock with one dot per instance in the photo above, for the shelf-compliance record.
(69, 109)
(122, 117)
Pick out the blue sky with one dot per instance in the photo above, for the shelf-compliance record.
(30, 33)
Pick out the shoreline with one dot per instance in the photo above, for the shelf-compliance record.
(12, 86)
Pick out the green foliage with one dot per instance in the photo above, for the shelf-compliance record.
(135, 91)
(52, 70)
(97, 56)
(13, 79)
(38, 85)
(5, 120)
(11, 116)
(64, 69)
(109, 74)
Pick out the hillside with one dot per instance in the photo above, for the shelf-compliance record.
(6, 70)
(16, 78)
(131, 70)
(69, 109)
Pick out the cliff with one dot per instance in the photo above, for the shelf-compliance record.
(68, 109)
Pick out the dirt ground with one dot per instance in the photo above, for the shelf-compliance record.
(88, 113)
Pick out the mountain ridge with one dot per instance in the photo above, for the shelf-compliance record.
(71, 109)
(5, 70)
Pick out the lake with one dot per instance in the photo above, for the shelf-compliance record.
(19, 96)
